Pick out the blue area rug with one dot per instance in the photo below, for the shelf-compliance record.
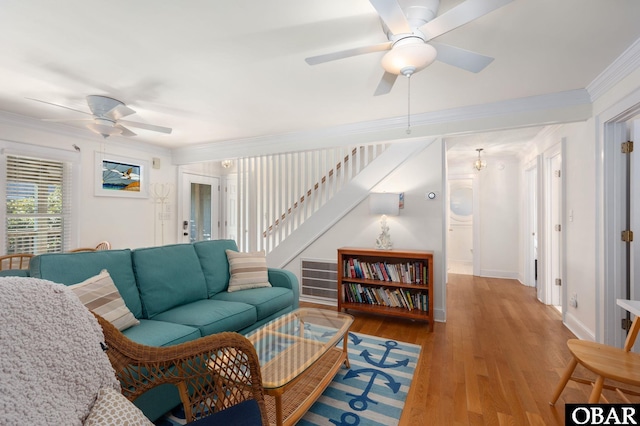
(371, 392)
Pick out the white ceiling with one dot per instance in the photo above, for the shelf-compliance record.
(219, 71)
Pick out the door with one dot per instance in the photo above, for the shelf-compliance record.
(531, 227)
(632, 219)
(460, 253)
(630, 197)
(200, 208)
(555, 240)
(634, 212)
(231, 208)
(550, 287)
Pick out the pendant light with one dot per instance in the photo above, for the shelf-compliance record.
(479, 164)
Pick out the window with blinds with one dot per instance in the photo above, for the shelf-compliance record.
(37, 205)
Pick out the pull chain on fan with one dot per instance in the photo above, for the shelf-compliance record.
(409, 104)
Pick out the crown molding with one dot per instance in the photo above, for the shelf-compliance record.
(624, 65)
(534, 110)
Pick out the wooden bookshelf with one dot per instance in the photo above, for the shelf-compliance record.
(387, 282)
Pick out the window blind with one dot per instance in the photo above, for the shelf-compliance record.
(38, 207)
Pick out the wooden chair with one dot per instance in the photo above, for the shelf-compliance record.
(212, 373)
(103, 245)
(80, 249)
(607, 362)
(15, 261)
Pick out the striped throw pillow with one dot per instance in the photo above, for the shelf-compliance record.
(100, 295)
(248, 270)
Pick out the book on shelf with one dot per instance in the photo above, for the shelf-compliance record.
(408, 272)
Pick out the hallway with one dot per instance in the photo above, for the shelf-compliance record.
(495, 361)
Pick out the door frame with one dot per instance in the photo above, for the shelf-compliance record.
(611, 131)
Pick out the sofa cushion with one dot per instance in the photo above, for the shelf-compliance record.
(214, 263)
(267, 301)
(72, 268)
(100, 295)
(168, 276)
(211, 316)
(248, 270)
(160, 333)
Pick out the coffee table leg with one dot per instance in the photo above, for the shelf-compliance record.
(344, 349)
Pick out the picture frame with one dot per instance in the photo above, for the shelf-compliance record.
(118, 176)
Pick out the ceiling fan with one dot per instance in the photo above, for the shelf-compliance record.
(107, 113)
(410, 26)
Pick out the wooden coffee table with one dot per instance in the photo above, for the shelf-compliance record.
(299, 358)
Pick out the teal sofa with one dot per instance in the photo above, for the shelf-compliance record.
(178, 293)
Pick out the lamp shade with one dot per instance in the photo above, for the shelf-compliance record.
(408, 55)
(384, 203)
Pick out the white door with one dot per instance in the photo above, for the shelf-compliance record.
(634, 221)
(200, 208)
(231, 208)
(531, 227)
(551, 287)
(630, 221)
(555, 241)
(460, 242)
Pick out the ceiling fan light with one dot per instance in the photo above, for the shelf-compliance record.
(411, 53)
(104, 130)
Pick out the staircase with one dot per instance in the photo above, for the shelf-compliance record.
(286, 201)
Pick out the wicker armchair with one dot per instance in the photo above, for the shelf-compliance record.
(212, 373)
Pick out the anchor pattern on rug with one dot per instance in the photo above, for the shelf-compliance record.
(359, 403)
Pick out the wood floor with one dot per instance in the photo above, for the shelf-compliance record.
(496, 360)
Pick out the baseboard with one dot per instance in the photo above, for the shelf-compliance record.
(489, 273)
(578, 328)
(439, 315)
(318, 300)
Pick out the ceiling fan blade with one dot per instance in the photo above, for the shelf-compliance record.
(461, 58)
(392, 15)
(119, 111)
(125, 131)
(460, 15)
(328, 57)
(386, 83)
(145, 126)
(58, 105)
(64, 120)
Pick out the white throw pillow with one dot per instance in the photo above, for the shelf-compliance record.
(113, 409)
(248, 270)
(100, 295)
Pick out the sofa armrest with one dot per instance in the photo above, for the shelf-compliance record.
(286, 279)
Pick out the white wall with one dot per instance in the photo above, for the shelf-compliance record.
(419, 225)
(579, 234)
(125, 222)
(499, 188)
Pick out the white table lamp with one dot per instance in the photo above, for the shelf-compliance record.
(385, 204)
